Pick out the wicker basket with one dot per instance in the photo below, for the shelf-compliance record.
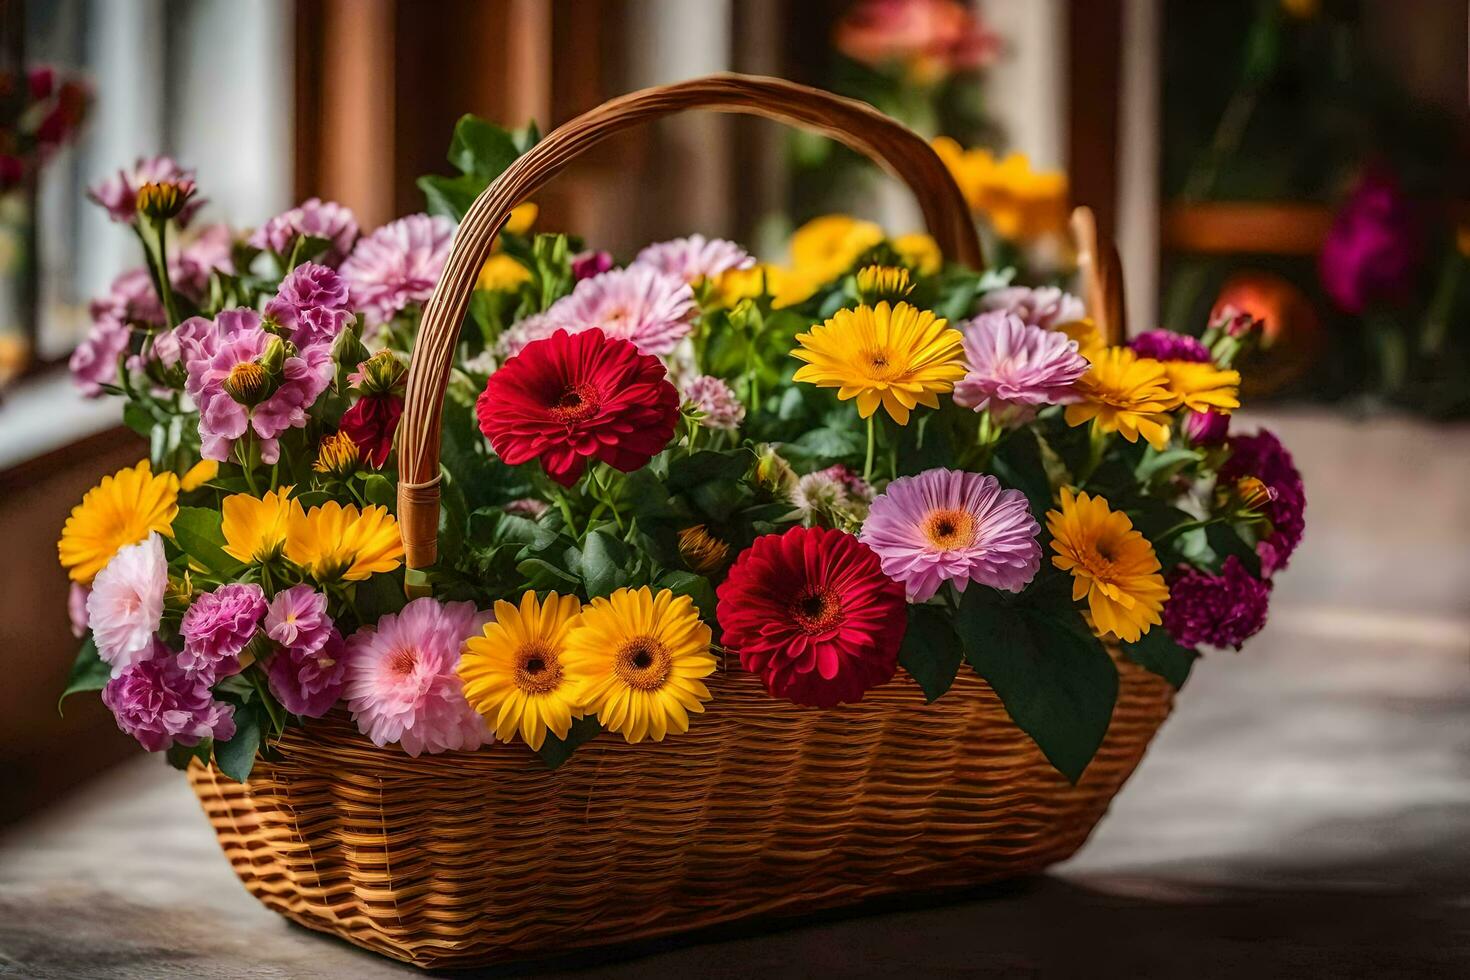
(762, 808)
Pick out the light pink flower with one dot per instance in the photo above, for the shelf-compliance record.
(211, 249)
(397, 266)
(694, 258)
(952, 526)
(1047, 307)
(1014, 369)
(217, 627)
(536, 327)
(94, 362)
(313, 218)
(126, 604)
(309, 680)
(715, 401)
(118, 194)
(159, 703)
(238, 339)
(639, 304)
(76, 609)
(401, 680)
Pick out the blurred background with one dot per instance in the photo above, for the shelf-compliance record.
(1301, 159)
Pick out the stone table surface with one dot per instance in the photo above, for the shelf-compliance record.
(1305, 812)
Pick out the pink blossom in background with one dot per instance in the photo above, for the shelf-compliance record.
(217, 628)
(125, 607)
(590, 263)
(651, 309)
(94, 361)
(397, 266)
(159, 703)
(1375, 247)
(952, 526)
(931, 39)
(118, 194)
(694, 258)
(1014, 369)
(1046, 307)
(1166, 345)
(312, 218)
(716, 401)
(1206, 428)
(76, 609)
(401, 681)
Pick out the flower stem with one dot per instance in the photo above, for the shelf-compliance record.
(868, 462)
(245, 450)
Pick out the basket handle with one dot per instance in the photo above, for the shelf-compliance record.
(1102, 277)
(855, 124)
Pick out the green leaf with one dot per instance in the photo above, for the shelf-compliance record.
(1157, 651)
(89, 672)
(197, 532)
(179, 756)
(555, 751)
(603, 560)
(378, 596)
(696, 587)
(1017, 463)
(1055, 679)
(450, 197)
(1226, 541)
(481, 148)
(705, 466)
(931, 652)
(236, 757)
(542, 574)
(1157, 465)
(378, 489)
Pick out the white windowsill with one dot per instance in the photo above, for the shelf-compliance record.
(46, 414)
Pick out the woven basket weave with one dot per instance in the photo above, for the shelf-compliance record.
(762, 808)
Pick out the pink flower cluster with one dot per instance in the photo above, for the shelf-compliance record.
(308, 672)
(311, 305)
(1015, 369)
(217, 628)
(640, 304)
(695, 258)
(397, 266)
(313, 218)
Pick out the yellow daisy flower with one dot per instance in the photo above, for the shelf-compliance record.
(1020, 203)
(1125, 393)
(1090, 342)
(643, 657)
(336, 542)
(1113, 566)
(829, 245)
(514, 675)
(879, 282)
(198, 475)
(255, 527)
(501, 272)
(1203, 387)
(522, 217)
(734, 285)
(119, 511)
(919, 251)
(897, 357)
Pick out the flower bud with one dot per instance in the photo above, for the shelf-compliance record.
(164, 199)
(772, 473)
(879, 283)
(274, 358)
(702, 552)
(1206, 428)
(1252, 493)
(337, 456)
(247, 383)
(378, 374)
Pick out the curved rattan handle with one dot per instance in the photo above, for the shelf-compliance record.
(1102, 276)
(855, 124)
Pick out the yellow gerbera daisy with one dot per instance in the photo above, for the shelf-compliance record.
(829, 245)
(336, 542)
(514, 674)
(255, 527)
(1125, 393)
(119, 511)
(897, 357)
(919, 251)
(1090, 342)
(198, 475)
(1203, 387)
(522, 217)
(1113, 566)
(501, 272)
(642, 657)
(883, 282)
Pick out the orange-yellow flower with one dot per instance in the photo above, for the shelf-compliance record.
(1113, 566)
(1127, 394)
(119, 511)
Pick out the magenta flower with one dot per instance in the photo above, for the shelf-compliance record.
(1166, 345)
(210, 250)
(587, 264)
(1206, 428)
(1014, 369)
(297, 618)
(952, 526)
(236, 392)
(397, 266)
(94, 362)
(1263, 457)
(118, 194)
(639, 304)
(314, 218)
(1215, 610)
(217, 628)
(1374, 249)
(715, 401)
(309, 680)
(695, 258)
(159, 703)
(401, 680)
(1047, 307)
(311, 305)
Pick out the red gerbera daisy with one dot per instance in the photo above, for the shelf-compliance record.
(812, 613)
(572, 397)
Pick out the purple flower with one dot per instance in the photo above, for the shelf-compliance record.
(192, 338)
(235, 391)
(216, 629)
(159, 703)
(1263, 457)
(952, 526)
(1215, 610)
(1206, 428)
(1047, 307)
(397, 265)
(313, 218)
(309, 680)
(1166, 345)
(528, 507)
(211, 249)
(587, 264)
(715, 401)
(311, 304)
(118, 194)
(1374, 248)
(1015, 368)
(695, 258)
(94, 362)
(297, 618)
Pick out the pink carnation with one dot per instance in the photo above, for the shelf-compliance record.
(1047, 307)
(309, 681)
(313, 218)
(694, 258)
(1014, 369)
(125, 607)
(94, 362)
(210, 250)
(639, 304)
(952, 526)
(311, 304)
(401, 681)
(397, 266)
(159, 703)
(239, 339)
(217, 627)
(715, 400)
(118, 194)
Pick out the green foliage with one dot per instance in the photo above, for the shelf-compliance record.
(197, 532)
(555, 751)
(236, 757)
(480, 151)
(1157, 651)
(931, 651)
(89, 672)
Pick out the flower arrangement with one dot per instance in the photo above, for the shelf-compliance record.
(819, 472)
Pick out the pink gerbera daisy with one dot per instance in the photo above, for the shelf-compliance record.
(952, 526)
(651, 309)
(694, 258)
(1014, 368)
(401, 681)
(397, 266)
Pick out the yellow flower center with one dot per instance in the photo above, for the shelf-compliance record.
(643, 663)
(538, 670)
(950, 529)
(246, 383)
(816, 609)
(879, 362)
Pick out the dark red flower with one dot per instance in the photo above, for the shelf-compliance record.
(371, 422)
(1215, 610)
(573, 397)
(812, 613)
